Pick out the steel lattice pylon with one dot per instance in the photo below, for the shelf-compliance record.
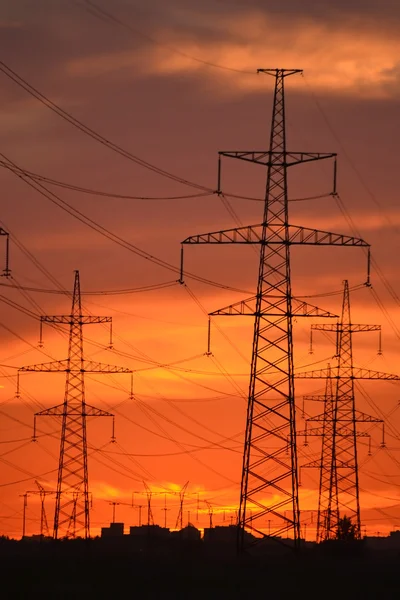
(339, 493)
(325, 430)
(44, 528)
(72, 496)
(269, 485)
(326, 504)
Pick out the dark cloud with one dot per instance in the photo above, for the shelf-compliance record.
(179, 122)
(209, 15)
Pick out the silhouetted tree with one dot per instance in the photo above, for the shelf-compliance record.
(346, 529)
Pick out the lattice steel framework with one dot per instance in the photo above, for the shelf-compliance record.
(326, 432)
(44, 527)
(269, 486)
(339, 493)
(72, 496)
(326, 454)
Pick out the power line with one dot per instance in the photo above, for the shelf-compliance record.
(173, 440)
(36, 262)
(77, 214)
(377, 269)
(21, 82)
(93, 192)
(146, 288)
(349, 160)
(349, 219)
(100, 12)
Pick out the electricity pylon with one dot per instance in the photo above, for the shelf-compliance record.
(149, 493)
(210, 513)
(72, 497)
(326, 432)
(179, 520)
(339, 492)
(25, 497)
(269, 484)
(44, 527)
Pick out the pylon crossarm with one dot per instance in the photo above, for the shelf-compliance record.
(51, 367)
(97, 367)
(356, 374)
(303, 309)
(367, 374)
(247, 308)
(272, 306)
(64, 365)
(317, 237)
(79, 411)
(70, 319)
(280, 72)
(251, 234)
(348, 328)
(272, 234)
(319, 398)
(317, 374)
(92, 411)
(54, 411)
(319, 431)
(274, 159)
(364, 418)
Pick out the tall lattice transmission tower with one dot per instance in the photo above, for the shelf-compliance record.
(72, 510)
(269, 485)
(323, 429)
(339, 493)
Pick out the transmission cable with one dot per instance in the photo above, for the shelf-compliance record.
(108, 16)
(77, 214)
(91, 132)
(125, 291)
(92, 192)
(349, 160)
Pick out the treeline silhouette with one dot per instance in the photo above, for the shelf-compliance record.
(99, 568)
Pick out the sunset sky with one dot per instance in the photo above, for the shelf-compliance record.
(173, 83)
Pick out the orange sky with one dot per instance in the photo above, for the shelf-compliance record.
(139, 85)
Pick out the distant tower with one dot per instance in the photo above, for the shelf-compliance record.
(44, 528)
(269, 486)
(325, 429)
(179, 520)
(72, 496)
(339, 492)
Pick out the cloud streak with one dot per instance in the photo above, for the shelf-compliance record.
(344, 57)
